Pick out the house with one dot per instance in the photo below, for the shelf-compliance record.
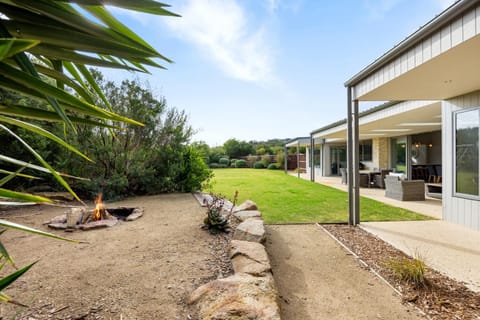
(439, 62)
(432, 81)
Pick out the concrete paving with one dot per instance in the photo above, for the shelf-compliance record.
(448, 248)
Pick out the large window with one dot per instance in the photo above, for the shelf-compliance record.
(366, 150)
(467, 126)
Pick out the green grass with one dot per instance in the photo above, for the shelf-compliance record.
(286, 199)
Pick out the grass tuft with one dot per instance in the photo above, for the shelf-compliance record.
(412, 270)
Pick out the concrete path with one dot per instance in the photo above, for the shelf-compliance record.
(318, 279)
(449, 248)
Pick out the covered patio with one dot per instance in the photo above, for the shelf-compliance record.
(430, 207)
(439, 62)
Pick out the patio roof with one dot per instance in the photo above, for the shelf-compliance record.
(437, 62)
(389, 120)
(302, 141)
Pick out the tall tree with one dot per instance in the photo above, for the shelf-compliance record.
(235, 148)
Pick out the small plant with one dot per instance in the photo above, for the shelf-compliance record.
(258, 165)
(216, 221)
(411, 270)
(224, 161)
(272, 166)
(240, 163)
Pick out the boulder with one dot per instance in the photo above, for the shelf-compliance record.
(250, 230)
(248, 214)
(247, 205)
(241, 296)
(249, 257)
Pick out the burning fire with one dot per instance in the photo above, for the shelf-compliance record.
(99, 210)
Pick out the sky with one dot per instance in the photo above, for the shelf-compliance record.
(264, 69)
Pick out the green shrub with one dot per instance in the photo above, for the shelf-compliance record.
(258, 165)
(280, 159)
(272, 166)
(232, 165)
(240, 163)
(411, 270)
(224, 161)
(214, 165)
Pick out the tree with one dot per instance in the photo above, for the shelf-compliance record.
(235, 149)
(133, 160)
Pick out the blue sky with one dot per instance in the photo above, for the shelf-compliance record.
(261, 69)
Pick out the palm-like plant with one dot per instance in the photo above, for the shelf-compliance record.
(45, 48)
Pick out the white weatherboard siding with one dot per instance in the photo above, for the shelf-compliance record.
(455, 209)
(462, 33)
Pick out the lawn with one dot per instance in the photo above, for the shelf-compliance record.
(286, 199)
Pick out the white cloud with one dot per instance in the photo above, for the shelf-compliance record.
(378, 9)
(221, 30)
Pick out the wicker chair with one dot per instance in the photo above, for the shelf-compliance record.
(379, 179)
(404, 190)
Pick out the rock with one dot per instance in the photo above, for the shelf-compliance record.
(99, 224)
(247, 205)
(249, 257)
(248, 214)
(137, 213)
(240, 296)
(250, 230)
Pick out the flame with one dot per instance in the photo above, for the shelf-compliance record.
(99, 207)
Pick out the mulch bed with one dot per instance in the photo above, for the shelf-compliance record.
(441, 298)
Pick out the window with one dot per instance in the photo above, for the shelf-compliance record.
(365, 150)
(467, 126)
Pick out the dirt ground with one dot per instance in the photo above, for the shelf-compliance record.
(143, 269)
(146, 269)
(318, 279)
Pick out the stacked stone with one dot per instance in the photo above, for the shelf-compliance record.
(250, 293)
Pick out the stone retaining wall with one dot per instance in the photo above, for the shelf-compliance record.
(250, 292)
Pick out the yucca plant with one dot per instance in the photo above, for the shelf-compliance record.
(46, 47)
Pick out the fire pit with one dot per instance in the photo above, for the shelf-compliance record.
(99, 217)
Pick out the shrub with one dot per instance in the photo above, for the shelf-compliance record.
(272, 166)
(232, 165)
(258, 165)
(224, 161)
(240, 163)
(214, 165)
(280, 159)
(266, 159)
(411, 270)
(251, 160)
